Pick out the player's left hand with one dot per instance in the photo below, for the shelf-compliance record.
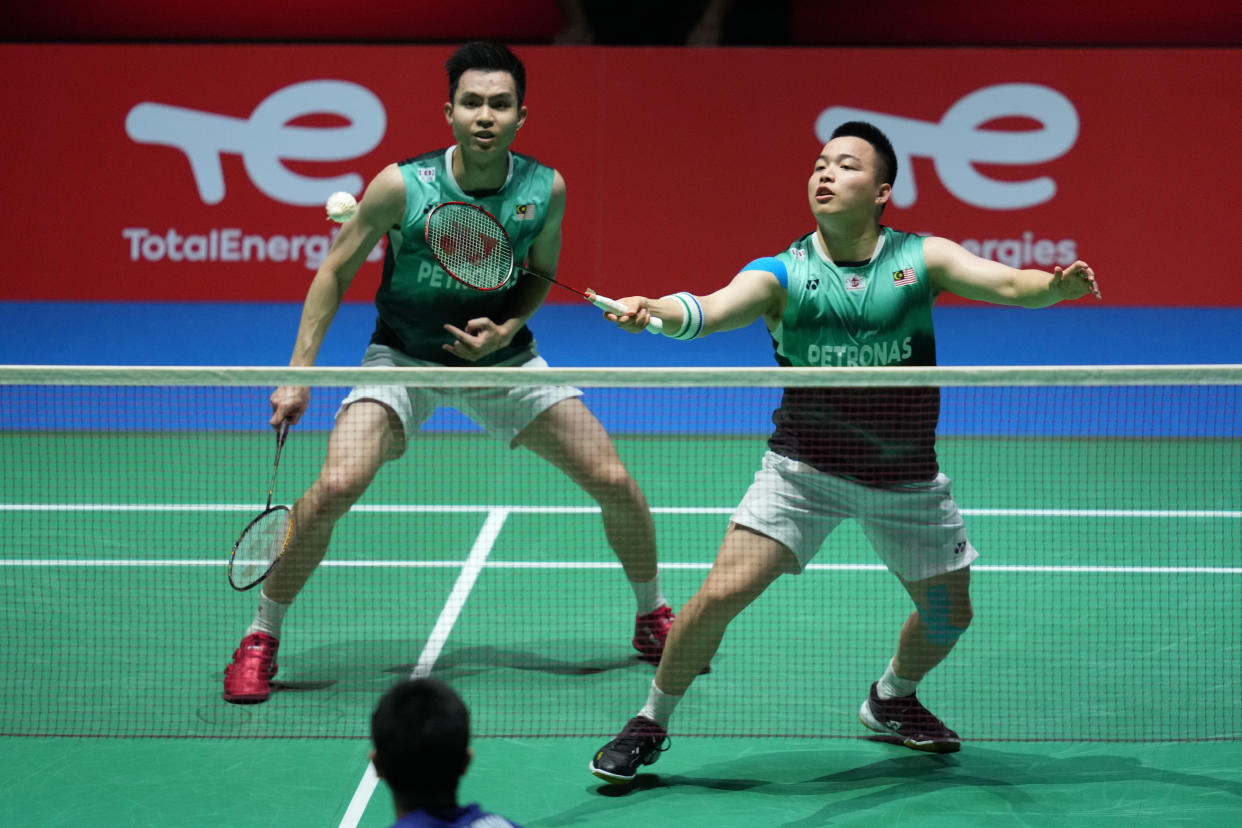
(1076, 281)
(481, 337)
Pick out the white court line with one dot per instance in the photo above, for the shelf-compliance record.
(362, 796)
(423, 508)
(705, 565)
(461, 591)
(435, 643)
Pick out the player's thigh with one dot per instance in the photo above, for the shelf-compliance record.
(570, 437)
(408, 409)
(747, 563)
(918, 533)
(792, 504)
(361, 440)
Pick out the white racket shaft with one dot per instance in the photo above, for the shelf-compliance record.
(655, 326)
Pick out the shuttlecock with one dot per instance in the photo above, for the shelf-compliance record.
(341, 207)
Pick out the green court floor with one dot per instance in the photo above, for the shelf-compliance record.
(1099, 684)
(699, 781)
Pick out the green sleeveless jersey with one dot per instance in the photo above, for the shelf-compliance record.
(868, 314)
(416, 297)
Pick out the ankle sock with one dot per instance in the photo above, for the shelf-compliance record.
(892, 685)
(659, 707)
(268, 617)
(648, 595)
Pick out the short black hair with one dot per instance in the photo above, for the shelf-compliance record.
(421, 732)
(877, 139)
(485, 56)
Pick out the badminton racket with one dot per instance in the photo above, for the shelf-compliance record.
(264, 540)
(473, 247)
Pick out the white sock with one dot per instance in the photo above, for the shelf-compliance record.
(269, 616)
(659, 707)
(648, 594)
(892, 685)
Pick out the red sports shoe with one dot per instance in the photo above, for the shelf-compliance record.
(650, 633)
(248, 680)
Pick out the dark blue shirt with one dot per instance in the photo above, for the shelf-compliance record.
(471, 816)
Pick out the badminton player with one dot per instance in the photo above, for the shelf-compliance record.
(427, 319)
(853, 292)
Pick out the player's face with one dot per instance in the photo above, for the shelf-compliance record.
(485, 114)
(846, 179)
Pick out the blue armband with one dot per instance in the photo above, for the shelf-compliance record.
(773, 265)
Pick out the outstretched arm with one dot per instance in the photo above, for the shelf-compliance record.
(382, 206)
(955, 269)
(750, 295)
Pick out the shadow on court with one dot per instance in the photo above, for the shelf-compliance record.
(470, 661)
(328, 690)
(323, 667)
(986, 779)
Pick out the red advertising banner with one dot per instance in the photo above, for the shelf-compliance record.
(200, 172)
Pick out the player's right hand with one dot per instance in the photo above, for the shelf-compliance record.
(289, 402)
(1076, 281)
(638, 317)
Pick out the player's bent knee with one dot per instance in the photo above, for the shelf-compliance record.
(943, 621)
(942, 634)
(709, 614)
(720, 606)
(611, 482)
(335, 493)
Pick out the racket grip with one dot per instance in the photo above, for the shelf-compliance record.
(655, 326)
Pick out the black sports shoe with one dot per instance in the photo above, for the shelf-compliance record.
(640, 743)
(907, 719)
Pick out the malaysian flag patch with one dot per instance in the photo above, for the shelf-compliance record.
(524, 212)
(905, 276)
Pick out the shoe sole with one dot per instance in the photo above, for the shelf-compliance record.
(610, 778)
(925, 747)
(248, 698)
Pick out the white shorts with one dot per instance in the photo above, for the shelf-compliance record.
(501, 412)
(916, 530)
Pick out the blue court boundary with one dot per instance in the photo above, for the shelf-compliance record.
(183, 333)
(134, 333)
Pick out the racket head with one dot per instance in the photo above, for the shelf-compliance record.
(260, 547)
(470, 244)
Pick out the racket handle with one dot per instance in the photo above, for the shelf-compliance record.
(655, 326)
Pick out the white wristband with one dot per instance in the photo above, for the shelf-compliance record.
(692, 312)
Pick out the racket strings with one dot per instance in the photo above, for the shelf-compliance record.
(261, 544)
(470, 245)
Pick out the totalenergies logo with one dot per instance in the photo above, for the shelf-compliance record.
(959, 141)
(266, 140)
